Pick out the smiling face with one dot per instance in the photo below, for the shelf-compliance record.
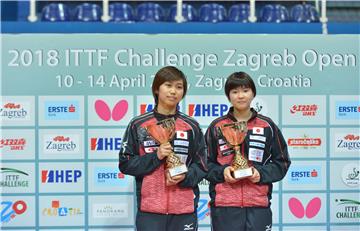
(241, 98)
(170, 93)
(168, 88)
(240, 90)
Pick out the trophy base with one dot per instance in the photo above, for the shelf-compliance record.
(242, 173)
(178, 170)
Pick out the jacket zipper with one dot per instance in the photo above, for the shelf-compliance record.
(167, 195)
(242, 184)
(242, 195)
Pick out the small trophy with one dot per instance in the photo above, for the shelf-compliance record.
(234, 135)
(163, 132)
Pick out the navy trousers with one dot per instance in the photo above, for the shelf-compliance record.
(241, 219)
(162, 222)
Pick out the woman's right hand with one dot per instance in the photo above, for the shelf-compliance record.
(228, 175)
(164, 150)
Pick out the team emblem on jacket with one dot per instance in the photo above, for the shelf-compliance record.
(258, 130)
(259, 138)
(256, 154)
(181, 135)
(150, 149)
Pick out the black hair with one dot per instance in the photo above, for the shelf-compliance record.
(168, 73)
(239, 79)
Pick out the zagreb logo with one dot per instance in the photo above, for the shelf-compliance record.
(347, 142)
(349, 209)
(105, 144)
(348, 110)
(13, 144)
(62, 110)
(10, 210)
(207, 110)
(117, 113)
(60, 143)
(146, 108)
(305, 175)
(110, 177)
(304, 110)
(299, 211)
(60, 211)
(60, 176)
(203, 211)
(13, 111)
(305, 142)
(350, 175)
(13, 178)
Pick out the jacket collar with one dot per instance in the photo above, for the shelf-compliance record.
(231, 116)
(160, 116)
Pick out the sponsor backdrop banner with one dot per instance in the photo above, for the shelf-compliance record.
(67, 99)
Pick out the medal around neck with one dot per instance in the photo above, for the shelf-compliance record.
(234, 135)
(163, 132)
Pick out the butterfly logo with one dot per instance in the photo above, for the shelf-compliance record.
(117, 113)
(312, 208)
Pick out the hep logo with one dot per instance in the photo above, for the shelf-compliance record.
(298, 210)
(203, 110)
(146, 108)
(105, 144)
(203, 210)
(60, 176)
(117, 113)
(10, 209)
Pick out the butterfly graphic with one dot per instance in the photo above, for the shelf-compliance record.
(297, 208)
(117, 113)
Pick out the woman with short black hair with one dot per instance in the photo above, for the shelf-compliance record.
(241, 175)
(165, 202)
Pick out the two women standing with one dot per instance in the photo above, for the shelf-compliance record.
(168, 202)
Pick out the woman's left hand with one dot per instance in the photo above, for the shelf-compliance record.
(174, 180)
(255, 177)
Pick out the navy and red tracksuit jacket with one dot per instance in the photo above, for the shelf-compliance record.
(138, 158)
(265, 149)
